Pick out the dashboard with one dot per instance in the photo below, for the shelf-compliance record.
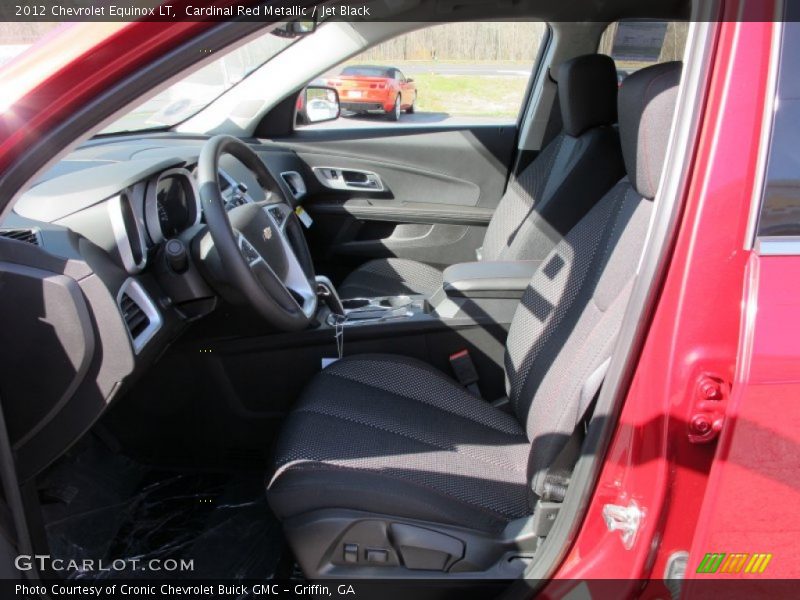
(149, 192)
(93, 295)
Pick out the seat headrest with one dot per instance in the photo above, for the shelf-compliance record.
(646, 107)
(587, 91)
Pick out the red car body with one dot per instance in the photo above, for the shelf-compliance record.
(370, 88)
(724, 314)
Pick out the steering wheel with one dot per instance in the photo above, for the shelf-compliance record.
(258, 243)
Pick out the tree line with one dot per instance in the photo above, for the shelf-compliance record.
(464, 41)
(672, 48)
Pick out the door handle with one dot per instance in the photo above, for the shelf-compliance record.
(338, 178)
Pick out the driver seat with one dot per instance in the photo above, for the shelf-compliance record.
(386, 467)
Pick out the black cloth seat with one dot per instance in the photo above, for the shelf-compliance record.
(548, 197)
(386, 435)
(441, 455)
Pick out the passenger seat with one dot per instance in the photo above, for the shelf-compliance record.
(546, 200)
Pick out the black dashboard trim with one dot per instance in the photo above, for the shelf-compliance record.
(151, 220)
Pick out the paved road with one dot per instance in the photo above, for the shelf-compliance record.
(507, 69)
(444, 68)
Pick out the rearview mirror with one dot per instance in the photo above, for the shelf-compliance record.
(292, 29)
(316, 104)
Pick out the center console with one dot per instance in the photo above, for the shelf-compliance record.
(475, 292)
(380, 309)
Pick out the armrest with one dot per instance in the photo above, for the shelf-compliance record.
(489, 279)
(399, 211)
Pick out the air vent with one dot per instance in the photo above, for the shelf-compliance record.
(140, 314)
(134, 316)
(29, 236)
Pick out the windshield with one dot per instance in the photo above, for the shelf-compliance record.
(366, 72)
(196, 91)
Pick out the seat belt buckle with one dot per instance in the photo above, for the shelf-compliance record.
(464, 370)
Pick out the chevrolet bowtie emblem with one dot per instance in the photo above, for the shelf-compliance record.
(267, 233)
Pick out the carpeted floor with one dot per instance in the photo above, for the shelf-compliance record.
(101, 505)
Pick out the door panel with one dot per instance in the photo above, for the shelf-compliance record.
(413, 183)
(440, 188)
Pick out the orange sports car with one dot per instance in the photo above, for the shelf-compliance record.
(364, 88)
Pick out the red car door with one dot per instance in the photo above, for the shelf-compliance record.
(749, 519)
(406, 88)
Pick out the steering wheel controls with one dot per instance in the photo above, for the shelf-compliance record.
(278, 214)
(250, 254)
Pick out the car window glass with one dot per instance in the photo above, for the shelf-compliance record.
(451, 73)
(780, 213)
(191, 94)
(637, 44)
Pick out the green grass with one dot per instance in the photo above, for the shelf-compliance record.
(470, 95)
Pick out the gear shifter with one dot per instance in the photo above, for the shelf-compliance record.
(327, 293)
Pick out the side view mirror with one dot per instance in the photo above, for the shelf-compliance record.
(292, 29)
(316, 104)
(410, 80)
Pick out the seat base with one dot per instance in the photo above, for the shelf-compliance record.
(334, 543)
(389, 434)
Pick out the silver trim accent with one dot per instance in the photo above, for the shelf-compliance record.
(297, 182)
(778, 245)
(767, 124)
(333, 178)
(121, 234)
(374, 310)
(327, 291)
(134, 290)
(296, 280)
(152, 222)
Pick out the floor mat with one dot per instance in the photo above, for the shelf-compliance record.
(112, 509)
